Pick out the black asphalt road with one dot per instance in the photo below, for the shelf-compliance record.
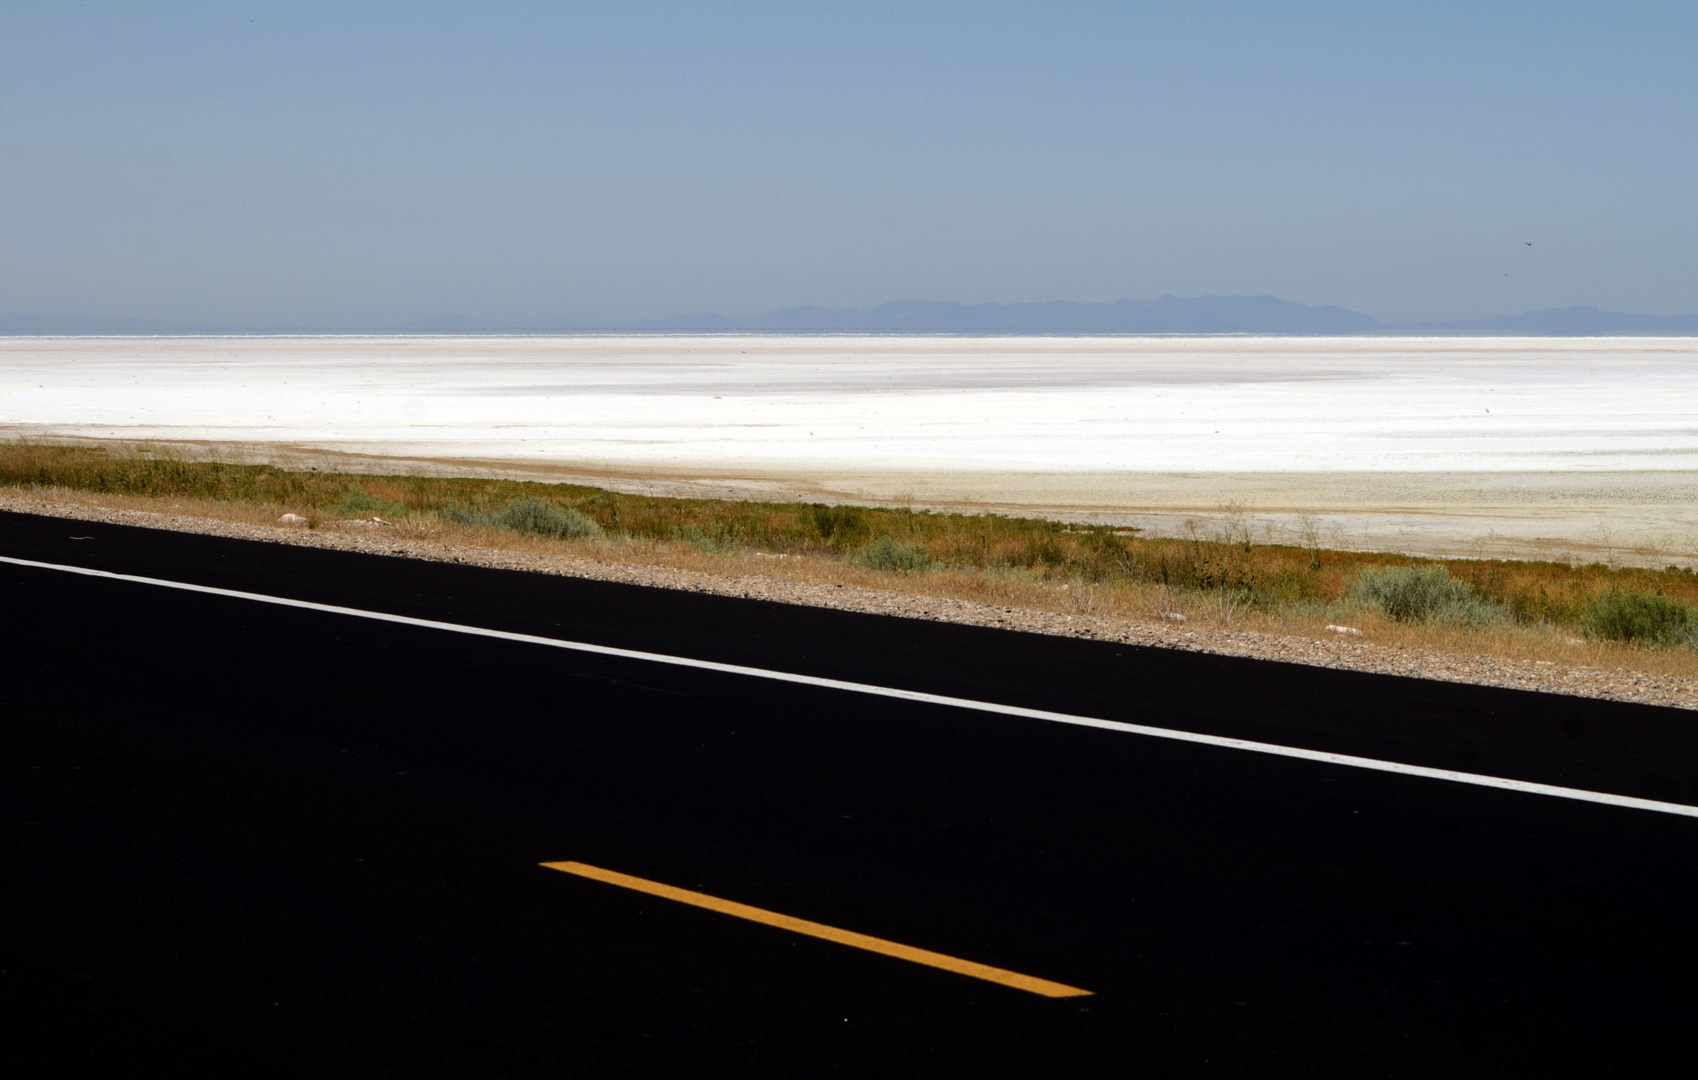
(246, 840)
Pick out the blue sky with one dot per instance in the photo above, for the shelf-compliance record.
(344, 165)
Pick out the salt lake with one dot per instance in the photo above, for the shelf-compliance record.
(1553, 446)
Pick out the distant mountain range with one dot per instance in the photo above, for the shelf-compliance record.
(1168, 315)
(1564, 322)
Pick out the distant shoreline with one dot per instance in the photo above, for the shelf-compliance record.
(1203, 316)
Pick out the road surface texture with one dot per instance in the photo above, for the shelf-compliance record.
(248, 839)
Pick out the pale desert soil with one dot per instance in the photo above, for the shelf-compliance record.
(1073, 609)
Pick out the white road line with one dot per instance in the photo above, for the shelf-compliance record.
(1480, 780)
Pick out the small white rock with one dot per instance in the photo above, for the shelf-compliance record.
(1337, 629)
(291, 519)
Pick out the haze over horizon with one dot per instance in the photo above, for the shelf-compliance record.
(1166, 315)
(316, 165)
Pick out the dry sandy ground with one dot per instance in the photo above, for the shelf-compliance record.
(1524, 448)
(1146, 617)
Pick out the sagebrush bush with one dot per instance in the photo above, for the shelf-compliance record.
(838, 524)
(1423, 594)
(531, 515)
(717, 539)
(361, 502)
(887, 554)
(1631, 615)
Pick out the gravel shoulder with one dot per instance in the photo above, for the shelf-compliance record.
(1544, 676)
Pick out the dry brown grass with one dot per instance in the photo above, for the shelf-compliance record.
(1218, 582)
(1126, 600)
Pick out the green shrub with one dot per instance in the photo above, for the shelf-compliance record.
(887, 554)
(360, 502)
(1631, 615)
(531, 515)
(838, 525)
(717, 539)
(1423, 594)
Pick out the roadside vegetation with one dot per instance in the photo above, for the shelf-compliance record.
(1226, 576)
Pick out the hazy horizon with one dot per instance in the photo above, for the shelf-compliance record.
(318, 165)
(1164, 316)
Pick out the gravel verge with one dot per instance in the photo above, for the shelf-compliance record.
(1484, 670)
